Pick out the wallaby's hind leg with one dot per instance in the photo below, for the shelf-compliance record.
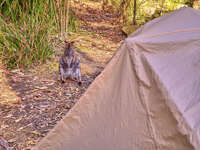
(62, 74)
(77, 70)
(79, 76)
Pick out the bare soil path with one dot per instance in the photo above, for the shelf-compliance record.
(43, 99)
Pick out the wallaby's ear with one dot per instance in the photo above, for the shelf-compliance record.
(71, 44)
(67, 44)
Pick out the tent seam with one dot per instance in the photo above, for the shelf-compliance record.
(143, 103)
(168, 33)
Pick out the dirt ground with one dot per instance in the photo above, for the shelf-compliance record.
(33, 101)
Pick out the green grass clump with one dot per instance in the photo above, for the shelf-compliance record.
(21, 47)
(27, 28)
(24, 32)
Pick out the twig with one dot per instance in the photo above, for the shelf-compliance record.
(5, 145)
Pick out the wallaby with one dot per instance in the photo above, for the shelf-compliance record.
(69, 65)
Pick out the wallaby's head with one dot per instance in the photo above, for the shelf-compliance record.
(69, 49)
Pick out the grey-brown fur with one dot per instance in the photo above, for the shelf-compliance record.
(69, 65)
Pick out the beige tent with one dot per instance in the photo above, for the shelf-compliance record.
(147, 97)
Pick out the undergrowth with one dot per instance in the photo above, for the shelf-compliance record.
(26, 29)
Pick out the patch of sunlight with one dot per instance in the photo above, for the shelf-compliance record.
(87, 69)
(7, 95)
(47, 68)
(93, 4)
(102, 24)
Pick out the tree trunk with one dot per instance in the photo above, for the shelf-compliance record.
(67, 15)
(134, 13)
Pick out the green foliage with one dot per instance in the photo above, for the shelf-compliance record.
(21, 47)
(26, 29)
(150, 9)
(73, 21)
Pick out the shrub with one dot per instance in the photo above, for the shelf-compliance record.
(26, 29)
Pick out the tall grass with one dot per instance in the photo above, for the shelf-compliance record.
(26, 29)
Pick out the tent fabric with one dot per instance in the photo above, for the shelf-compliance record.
(147, 97)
